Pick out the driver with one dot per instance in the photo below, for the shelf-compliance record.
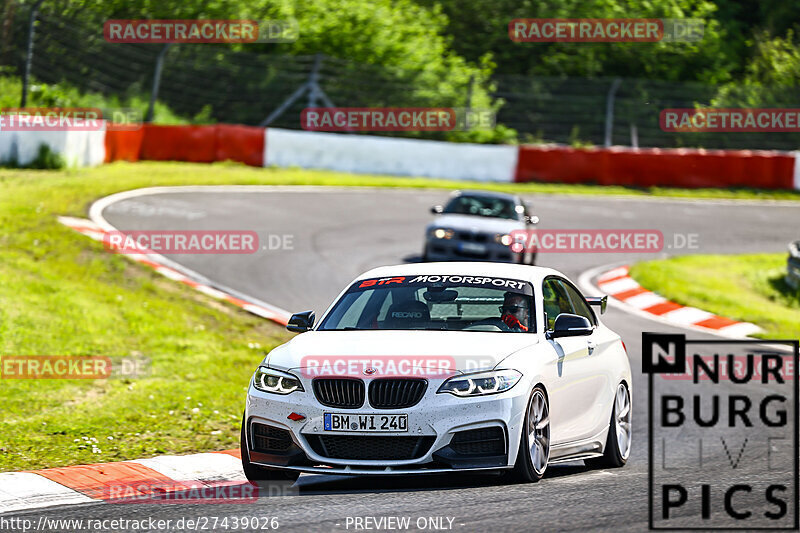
(515, 311)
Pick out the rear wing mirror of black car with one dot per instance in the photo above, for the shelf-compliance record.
(599, 301)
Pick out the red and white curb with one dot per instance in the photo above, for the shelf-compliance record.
(162, 266)
(138, 479)
(618, 284)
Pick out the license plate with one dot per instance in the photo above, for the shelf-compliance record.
(472, 247)
(376, 423)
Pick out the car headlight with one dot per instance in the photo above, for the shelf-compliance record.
(482, 383)
(441, 233)
(275, 381)
(503, 239)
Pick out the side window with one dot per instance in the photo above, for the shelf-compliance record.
(555, 300)
(579, 303)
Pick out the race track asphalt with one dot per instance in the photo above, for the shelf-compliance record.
(337, 234)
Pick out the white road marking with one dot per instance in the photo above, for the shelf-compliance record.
(26, 490)
(645, 300)
(171, 274)
(740, 330)
(614, 273)
(214, 293)
(687, 315)
(197, 467)
(619, 285)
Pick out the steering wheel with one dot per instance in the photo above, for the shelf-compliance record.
(491, 321)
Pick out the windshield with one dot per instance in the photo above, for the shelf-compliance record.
(483, 206)
(440, 302)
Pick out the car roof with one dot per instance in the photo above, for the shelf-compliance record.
(488, 194)
(534, 274)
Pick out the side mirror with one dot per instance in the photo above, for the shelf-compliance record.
(437, 210)
(301, 322)
(599, 301)
(531, 219)
(569, 325)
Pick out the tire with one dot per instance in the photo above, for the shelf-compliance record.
(532, 460)
(618, 442)
(259, 474)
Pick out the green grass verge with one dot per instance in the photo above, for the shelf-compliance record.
(748, 288)
(62, 294)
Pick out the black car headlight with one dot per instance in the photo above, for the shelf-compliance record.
(270, 380)
(481, 383)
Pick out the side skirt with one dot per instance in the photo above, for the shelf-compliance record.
(582, 449)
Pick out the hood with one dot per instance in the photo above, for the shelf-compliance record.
(466, 351)
(476, 223)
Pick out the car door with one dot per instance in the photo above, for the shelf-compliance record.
(597, 369)
(574, 399)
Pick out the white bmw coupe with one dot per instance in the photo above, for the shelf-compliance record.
(442, 367)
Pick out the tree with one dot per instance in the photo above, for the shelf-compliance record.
(481, 27)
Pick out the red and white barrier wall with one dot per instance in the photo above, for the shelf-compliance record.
(651, 167)
(78, 148)
(198, 144)
(369, 154)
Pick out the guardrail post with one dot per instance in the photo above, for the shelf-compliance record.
(469, 92)
(29, 54)
(156, 82)
(610, 110)
(315, 93)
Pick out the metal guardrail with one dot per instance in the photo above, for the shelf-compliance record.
(793, 266)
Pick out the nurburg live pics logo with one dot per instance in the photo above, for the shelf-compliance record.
(722, 433)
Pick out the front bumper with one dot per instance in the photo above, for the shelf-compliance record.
(434, 421)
